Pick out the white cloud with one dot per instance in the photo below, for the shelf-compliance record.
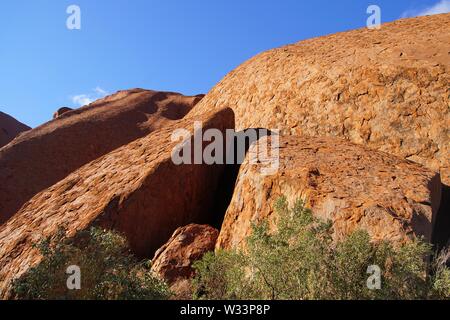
(442, 6)
(81, 100)
(85, 99)
(100, 91)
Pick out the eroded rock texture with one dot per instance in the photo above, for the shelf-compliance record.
(136, 190)
(10, 128)
(387, 89)
(349, 184)
(43, 156)
(173, 262)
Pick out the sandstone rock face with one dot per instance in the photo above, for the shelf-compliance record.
(173, 262)
(349, 184)
(61, 111)
(387, 89)
(10, 128)
(43, 156)
(136, 189)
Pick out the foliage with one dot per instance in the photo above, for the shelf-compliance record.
(108, 270)
(301, 261)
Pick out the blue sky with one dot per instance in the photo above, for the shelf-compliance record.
(175, 45)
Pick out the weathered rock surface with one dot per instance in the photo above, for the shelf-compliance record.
(349, 184)
(10, 128)
(387, 89)
(43, 156)
(58, 113)
(136, 189)
(173, 262)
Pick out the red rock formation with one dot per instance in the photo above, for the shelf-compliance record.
(61, 111)
(43, 156)
(10, 128)
(387, 89)
(336, 100)
(349, 184)
(136, 190)
(173, 261)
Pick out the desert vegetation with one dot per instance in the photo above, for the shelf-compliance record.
(299, 261)
(109, 270)
(295, 260)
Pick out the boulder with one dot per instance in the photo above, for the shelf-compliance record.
(387, 89)
(45, 155)
(61, 111)
(10, 128)
(173, 261)
(136, 190)
(348, 184)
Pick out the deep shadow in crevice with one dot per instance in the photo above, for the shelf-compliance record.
(441, 232)
(226, 187)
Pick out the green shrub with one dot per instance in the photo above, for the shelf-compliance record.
(300, 261)
(108, 270)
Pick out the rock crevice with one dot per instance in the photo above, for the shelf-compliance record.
(136, 189)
